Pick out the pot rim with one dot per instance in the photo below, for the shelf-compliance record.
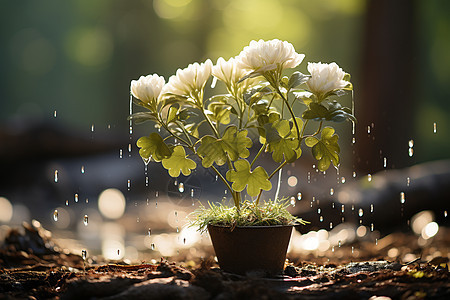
(256, 226)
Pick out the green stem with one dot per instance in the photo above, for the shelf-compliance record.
(257, 155)
(270, 177)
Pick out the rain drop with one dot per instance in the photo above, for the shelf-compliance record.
(184, 240)
(86, 220)
(146, 180)
(353, 140)
(293, 201)
(54, 114)
(410, 152)
(402, 197)
(149, 232)
(67, 202)
(384, 162)
(331, 225)
(178, 229)
(321, 218)
(153, 246)
(411, 143)
(408, 181)
(129, 147)
(369, 177)
(128, 184)
(82, 169)
(118, 252)
(87, 200)
(137, 220)
(83, 254)
(56, 176)
(120, 153)
(371, 226)
(343, 180)
(368, 129)
(376, 242)
(360, 212)
(353, 249)
(217, 177)
(434, 127)
(92, 128)
(55, 215)
(339, 244)
(299, 196)
(445, 214)
(354, 174)
(76, 197)
(371, 208)
(157, 194)
(319, 211)
(342, 208)
(181, 187)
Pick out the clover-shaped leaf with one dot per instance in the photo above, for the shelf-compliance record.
(255, 180)
(282, 142)
(178, 162)
(233, 143)
(153, 146)
(325, 150)
(315, 112)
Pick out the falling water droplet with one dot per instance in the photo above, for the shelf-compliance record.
(354, 174)
(332, 205)
(384, 162)
(309, 177)
(402, 197)
(55, 215)
(332, 249)
(339, 244)
(86, 220)
(178, 229)
(181, 187)
(353, 207)
(225, 192)
(376, 242)
(153, 246)
(411, 143)
(157, 194)
(434, 127)
(76, 197)
(319, 211)
(83, 254)
(146, 180)
(343, 180)
(369, 177)
(368, 129)
(353, 249)
(82, 169)
(118, 252)
(445, 214)
(353, 140)
(131, 129)
(184, 240)
(299, 196)
(92, 128)
(192, 193)
(331, 191)
(360, 212)
(342, 208)
(217, 177)
(128, 184)
(149, 232)
(321, 219)
(56, 175)
(87, 200)
(371, 208)
(293, 201)
(67, 202)
(120, 153)
(410, 152)
(408, 181)
(129, 147)
(371, 226)
(331, 225)
(54, 114)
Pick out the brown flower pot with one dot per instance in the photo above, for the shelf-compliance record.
(251, 249)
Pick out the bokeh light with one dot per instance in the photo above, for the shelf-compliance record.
(6, 210)
(111, 203)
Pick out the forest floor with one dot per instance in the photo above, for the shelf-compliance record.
(33, 267)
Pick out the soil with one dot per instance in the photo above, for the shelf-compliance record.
(33, 267)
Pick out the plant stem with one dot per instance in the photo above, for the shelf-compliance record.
(257, 155)
(270, 177)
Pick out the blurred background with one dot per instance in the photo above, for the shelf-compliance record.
(66, 68)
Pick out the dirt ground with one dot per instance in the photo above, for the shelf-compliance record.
(33, 267)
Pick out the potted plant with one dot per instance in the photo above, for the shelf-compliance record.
(262, 108)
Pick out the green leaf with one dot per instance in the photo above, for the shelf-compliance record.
(219, 112)
(315, 112)
(233, 145)
(141, 117)
(153, 146)
(179, 162)
(282, 141)
(172, 114)
(297, 79)
(243, 176)
(325, 150)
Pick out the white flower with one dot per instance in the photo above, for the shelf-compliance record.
(264, 56)
(325, 78)
(147, 88)
(228, 71)
(189, 81)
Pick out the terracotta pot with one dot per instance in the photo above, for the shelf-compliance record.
(251, 249)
